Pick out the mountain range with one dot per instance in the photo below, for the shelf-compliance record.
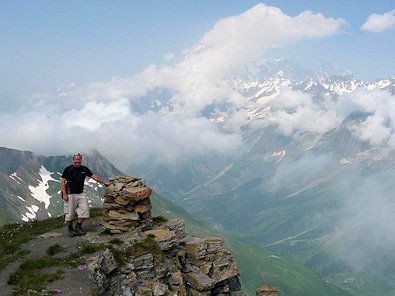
(301, 186)
(309, 191)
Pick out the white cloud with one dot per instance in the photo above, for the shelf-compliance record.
(294, 111)
(298, 174)
(379, 127)
(93, 114)
(305, 119)
(380, 22)
(374, 130)
(291, 99)
(361, 236)
(101, 114)
(198, 79)
(169, 56)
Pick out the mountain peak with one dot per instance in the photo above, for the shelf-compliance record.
(328, 69)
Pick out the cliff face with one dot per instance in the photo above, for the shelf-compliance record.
(154, 257)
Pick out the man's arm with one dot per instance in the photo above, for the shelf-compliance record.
(64, 190)
(100, 180)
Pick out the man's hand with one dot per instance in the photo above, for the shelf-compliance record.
(65, 197)
(100, 180)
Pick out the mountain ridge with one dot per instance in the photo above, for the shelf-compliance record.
(30, 183)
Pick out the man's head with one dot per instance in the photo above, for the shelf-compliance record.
(77, 159)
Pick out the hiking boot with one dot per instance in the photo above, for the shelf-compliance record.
(72, 232)
(78, 230)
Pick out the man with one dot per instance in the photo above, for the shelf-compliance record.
(75, 201)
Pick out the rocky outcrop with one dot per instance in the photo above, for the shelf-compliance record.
(157, 258)
(267, 291)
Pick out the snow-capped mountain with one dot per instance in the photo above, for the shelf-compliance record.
(313, 178)
(30, 184)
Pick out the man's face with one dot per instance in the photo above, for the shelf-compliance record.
(77, 161)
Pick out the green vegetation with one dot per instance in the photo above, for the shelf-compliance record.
(119, 256)
(116, 241)
(257, 266)
(159, 219)
(5, 216)
(12, 236)
(88, 248)
(96, 212)
(31, 276)
(290, 277)
(163, 207)
(148, 245)
(55, 249)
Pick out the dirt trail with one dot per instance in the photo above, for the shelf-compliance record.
(75, 280)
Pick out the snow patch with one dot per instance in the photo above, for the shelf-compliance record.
(279, 155)
(31, 214)
(40, 192)
(345, 161)
(20, 198)
(273, 256)
(13, 176)
(221, 119)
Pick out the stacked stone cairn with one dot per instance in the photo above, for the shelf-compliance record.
(126, 204)
(155, 257)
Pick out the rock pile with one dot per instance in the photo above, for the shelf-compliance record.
(209, 268)
(155, 257)
(166, 261)
(267, 291)
(126, 204)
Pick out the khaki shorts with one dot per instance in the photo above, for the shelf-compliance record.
(77, 203)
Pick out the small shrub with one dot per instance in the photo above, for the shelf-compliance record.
(116, 241)
(148, 245)
(96, 212)
(55, 249)
(89, 248)
(159, 219)
(119, 256)
(106, 231)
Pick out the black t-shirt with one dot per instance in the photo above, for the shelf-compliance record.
(75, 178)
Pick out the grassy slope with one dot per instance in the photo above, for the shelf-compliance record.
(290, 277)
(163, 207)
(259, 268)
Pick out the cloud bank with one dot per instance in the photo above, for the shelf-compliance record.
(103, 115)
(362, 237)
(378, 23)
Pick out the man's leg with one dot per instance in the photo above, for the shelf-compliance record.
(69, 211)
(78, 227)
(71, 228)
(82, 212)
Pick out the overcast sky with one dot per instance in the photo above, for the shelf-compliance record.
(71, 70)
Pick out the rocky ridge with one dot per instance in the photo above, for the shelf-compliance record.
(155, 256)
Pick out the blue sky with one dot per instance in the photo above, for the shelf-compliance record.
(49, 44)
